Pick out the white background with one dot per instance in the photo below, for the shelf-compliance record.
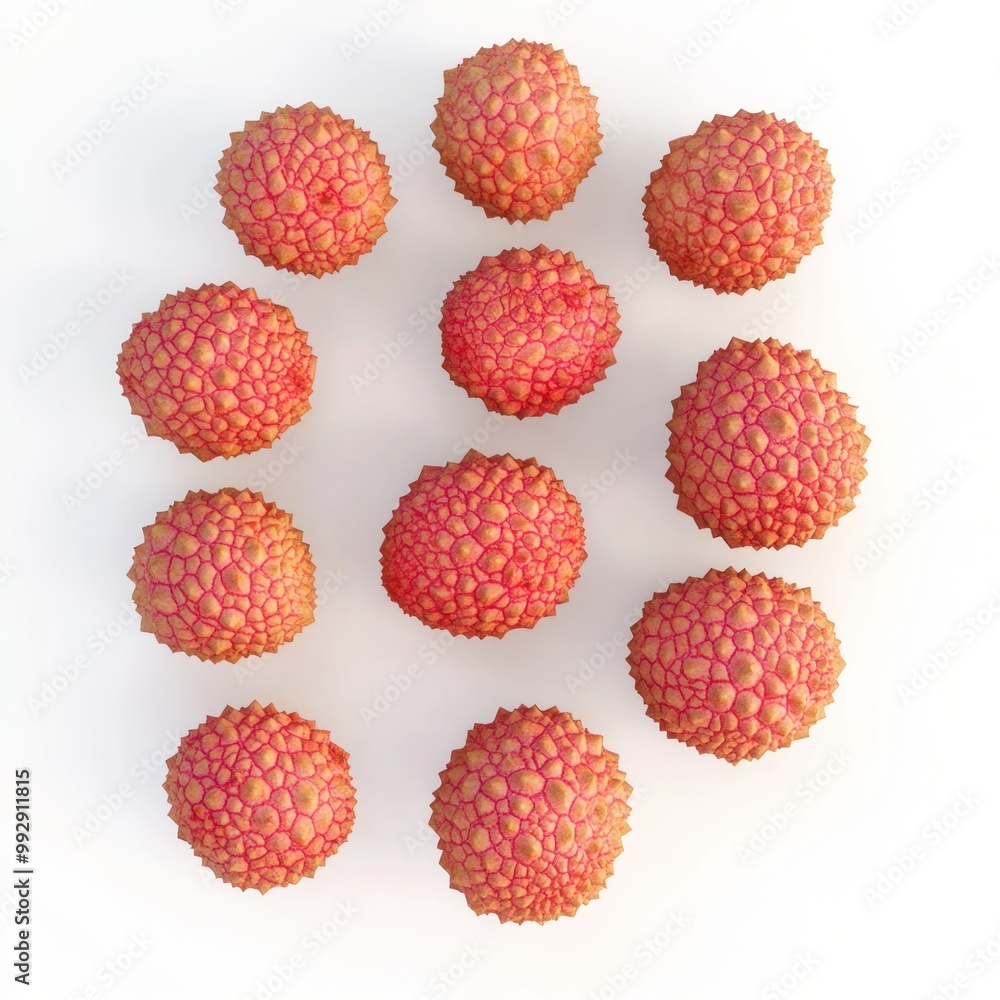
(822, 908)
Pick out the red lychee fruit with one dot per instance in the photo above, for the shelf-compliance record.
(734, 664)
(223, 575)
(263, 797)
(217, 371)
(530, 814)
(304, 189)
(764, 449)
(516, 130)
(739, 202)
(484, 545)
(528, 331)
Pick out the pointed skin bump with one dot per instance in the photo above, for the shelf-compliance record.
(734, 665)
(528, 331)
(516, 130)
(530, 815)
(263, 797)
(739, 202)
(482, 546)
(764, 450)
(304, 190)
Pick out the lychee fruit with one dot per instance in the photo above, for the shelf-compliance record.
(263, 797)
(483, 545)
(739, 202)
(733, 664)
(304, 189)
(217, 371)
(530, 814)
(764, 449)
(516, 130)
(528, 331)
(223, 575)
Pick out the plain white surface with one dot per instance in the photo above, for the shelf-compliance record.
(903, 95)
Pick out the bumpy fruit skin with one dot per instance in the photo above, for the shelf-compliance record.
(764, 449)
(739, 202)
(528, 331)
(530, 814)
(304, 189)
(733, 664)
(263, 797)
(217, 371)
(516, 130)
(484, 545)
(223, 575)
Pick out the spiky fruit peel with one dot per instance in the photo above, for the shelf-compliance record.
(764, 449)
(304, 189)
(733, 664)
(530, 814)
(217, 371)
(516, 130)
(739, 202)
(263, 797)
(528, 331)
(484, 545)
(223, 575)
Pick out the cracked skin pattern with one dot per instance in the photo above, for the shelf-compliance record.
(516, 130)
(262, 796)
(764, 449)
(530, 814)
(528, 331)
(733, 664)
(739, 202)
(223, 575)
(217, 371)
(304, 189)
(484, 545)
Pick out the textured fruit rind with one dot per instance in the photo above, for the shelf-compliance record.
(304, 189)
(217, 371)
(733, 664)
(223, 575)
(263, 797)
(739, 202)
(484, 545)
(528, 331)
(530, 814)
(516, 130)
(764, 449)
